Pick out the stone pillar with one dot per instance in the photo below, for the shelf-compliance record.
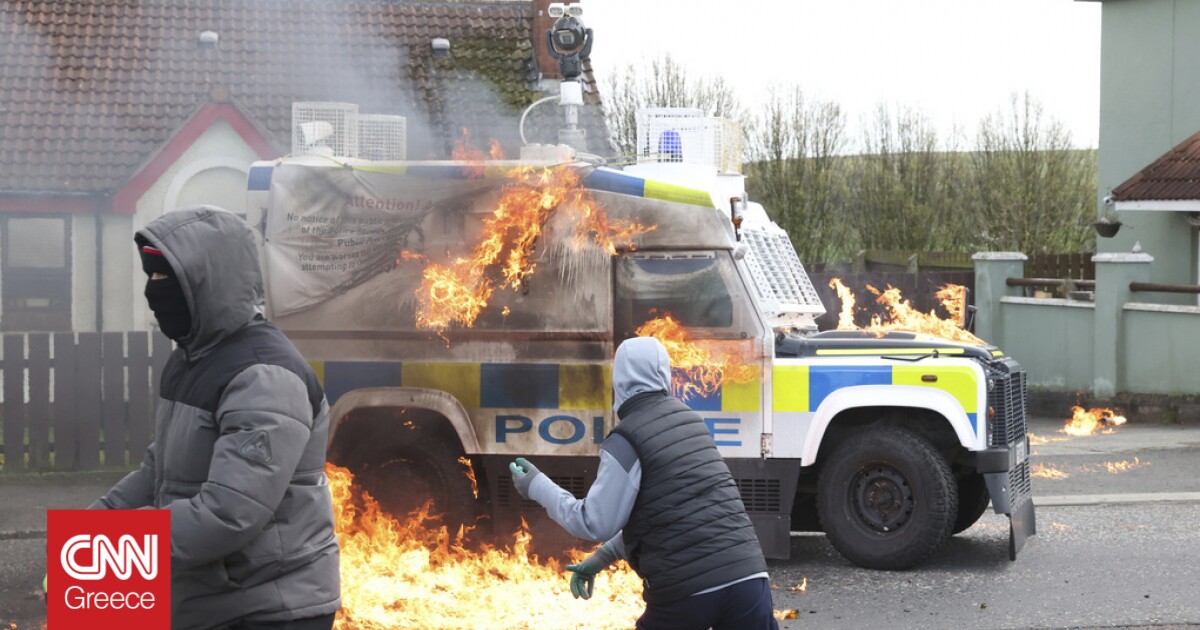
(1114, 272)
(991, 271)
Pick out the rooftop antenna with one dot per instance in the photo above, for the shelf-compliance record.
(570, 43)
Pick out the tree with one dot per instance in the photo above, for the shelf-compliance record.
(907, 191)
(1033, 191)
(794, 147)
(664, 82)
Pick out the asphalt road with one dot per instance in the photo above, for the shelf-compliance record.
(1113, 549)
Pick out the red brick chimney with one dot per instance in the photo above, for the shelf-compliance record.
(542, 23)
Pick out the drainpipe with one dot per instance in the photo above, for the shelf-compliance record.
(99, 266)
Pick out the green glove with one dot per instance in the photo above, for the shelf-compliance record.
(523, 474)
(583, 575)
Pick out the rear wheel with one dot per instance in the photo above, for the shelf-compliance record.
(405, 463)
(972, 501)
(886, 498)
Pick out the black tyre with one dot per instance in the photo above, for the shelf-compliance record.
(403, 466)
(886, 499)
(972, 501)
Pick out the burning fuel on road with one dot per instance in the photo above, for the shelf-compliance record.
(411, 572)
(1090, 421)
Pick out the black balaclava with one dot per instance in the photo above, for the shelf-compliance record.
(166, 295)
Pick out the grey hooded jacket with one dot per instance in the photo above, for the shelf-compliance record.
(239, 450)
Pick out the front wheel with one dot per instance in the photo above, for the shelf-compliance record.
(886, 498)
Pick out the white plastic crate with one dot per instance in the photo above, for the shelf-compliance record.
(382, 137)
(685, 135)
(325, 128)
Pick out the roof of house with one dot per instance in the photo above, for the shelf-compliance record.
(92, 90)
(1174, 176)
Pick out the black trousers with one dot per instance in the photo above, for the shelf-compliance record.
(742, 606)
(324, 622)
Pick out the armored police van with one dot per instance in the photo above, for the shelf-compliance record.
(888, 443)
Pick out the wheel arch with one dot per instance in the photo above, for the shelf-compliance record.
(850, 399)
(379, 398)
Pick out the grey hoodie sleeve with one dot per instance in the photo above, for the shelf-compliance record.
(605, 510)
(133, 491)
(265, 419)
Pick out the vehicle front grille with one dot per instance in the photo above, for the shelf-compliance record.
(1007, 410)
(1007, 406)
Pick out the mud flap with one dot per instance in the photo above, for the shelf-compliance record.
(1022, 524)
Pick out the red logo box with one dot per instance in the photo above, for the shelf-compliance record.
(108, 569)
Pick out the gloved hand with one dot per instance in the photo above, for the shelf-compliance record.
(583, 576)
(45, 588)
(523, 474)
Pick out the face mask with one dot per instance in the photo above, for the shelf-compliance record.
(170, 307)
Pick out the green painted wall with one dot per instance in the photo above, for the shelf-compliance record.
(1161, 349)
(1149, 102)
(1052, 340)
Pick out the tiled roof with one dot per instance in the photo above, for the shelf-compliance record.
(1174, 176)
(90, 90)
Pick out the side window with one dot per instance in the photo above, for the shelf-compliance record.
(36, 271)
(699, 289)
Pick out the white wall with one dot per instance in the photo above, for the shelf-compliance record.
(213, 171)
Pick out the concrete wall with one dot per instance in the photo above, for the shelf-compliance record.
(1162, 343)
(1149, 88)
(1052, 339)
(1119, 344)
(212, 171)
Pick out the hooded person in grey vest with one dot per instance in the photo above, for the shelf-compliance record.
(239, 443)
(664, 501)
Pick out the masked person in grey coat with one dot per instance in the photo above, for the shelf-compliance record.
(240, 429)
(665, 501)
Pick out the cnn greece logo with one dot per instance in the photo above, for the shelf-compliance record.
(109, 569)
(122, 557)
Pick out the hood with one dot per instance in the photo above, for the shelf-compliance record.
(641, 365)
(216, 261)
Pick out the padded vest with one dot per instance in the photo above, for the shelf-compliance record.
(688, 530)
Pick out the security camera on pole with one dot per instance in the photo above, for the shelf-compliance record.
(570, 43)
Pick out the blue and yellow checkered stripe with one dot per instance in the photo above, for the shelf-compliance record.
(568, 386)
(622, 184)
(479, 385)
(802, 388)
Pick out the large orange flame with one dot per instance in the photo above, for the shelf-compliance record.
(901, 316)
(1089, 421)
(457, 292)
(412, 573)
(698, 368)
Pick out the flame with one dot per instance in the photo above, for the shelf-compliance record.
(1058, 526)
(901, 316)
(697, 370)
(411, 573)
(496, 153)
(1088, 422)
(802, 587)
(1124, 465)
(466, 152)
(470, 475)
(789, 613)
(846, 296)
(1040, 440)
(953, 298)
(457, 292)
(1041, 471)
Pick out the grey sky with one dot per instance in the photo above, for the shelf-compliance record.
(955, 60)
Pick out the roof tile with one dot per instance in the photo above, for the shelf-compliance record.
(1173, 176)
(92, 89)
